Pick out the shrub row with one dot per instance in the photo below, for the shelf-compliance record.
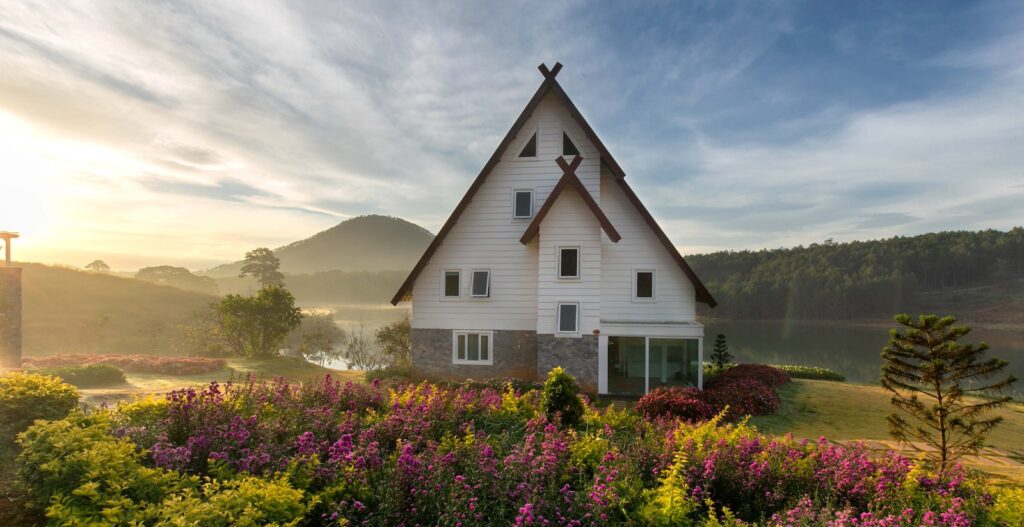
(737, 397)
(131, 363)
(91, 376)
(810, 372)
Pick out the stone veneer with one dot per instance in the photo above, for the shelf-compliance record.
(578, 356)
(515, 355)
(10, 317)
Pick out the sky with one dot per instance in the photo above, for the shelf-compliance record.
(185, 133)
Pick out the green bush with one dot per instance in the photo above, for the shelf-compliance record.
(810, 372)
(1008, 509)
(560, 395)
(245, 502)
(25, 397)
(389, 373)
(92, 376)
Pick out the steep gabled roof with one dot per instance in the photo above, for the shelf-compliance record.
(569, 180)
(551, 85)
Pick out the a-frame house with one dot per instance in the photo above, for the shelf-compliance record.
(550, 259)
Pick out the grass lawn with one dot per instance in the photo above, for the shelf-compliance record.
(295, 370)
(845, 411)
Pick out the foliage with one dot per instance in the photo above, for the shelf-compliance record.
(131, 363)
(261, 264)
(389, 373)
(395, 342)
(810, 372)
(98, 266)
(91, 376)
(720, 356)
(179, 277)
(26, 397)
(379, 455)
(767, 375)
(685, 403)
(256, 325)
(560, 397)
(359, 351)
(930, 374)
(857, 279)
(742, 396)
(318, 338)
(1008, 508)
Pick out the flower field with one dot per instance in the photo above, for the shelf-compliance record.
(332, 453)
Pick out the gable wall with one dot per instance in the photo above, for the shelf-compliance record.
(569, 223)
(639, 247)
(486, 236)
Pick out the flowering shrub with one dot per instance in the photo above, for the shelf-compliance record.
(768, 375)
(685, 403)
(131, 363)
(743, 397)
(337, 454)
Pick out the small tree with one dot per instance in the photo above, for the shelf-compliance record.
(930, 373)
(359, 352)
(720, 355)
(318, 338)
(98, 266)
(395, 341)
(256, 325)
(560, 395)
(264, 266)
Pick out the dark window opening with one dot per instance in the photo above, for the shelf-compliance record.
(451, 283)
(569, 263)
(481, 284)
(567, 318)
(645, 284)
(568, 149)
(530, 150)
(523, 204)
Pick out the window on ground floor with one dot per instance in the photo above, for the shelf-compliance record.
(636, 365)
(473, 347)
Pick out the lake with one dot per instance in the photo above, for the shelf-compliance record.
(850, 348)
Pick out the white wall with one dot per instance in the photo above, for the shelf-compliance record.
(569, 223)
(639, 248)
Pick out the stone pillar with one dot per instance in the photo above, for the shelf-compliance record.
(10, 317)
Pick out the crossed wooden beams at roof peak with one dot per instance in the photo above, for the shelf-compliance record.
(552, 73)
(569, 179)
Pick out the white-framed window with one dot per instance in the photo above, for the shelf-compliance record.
(567, 318)
(522, 204)
(480, 283)
(451, 284)
(644, 285)
(568, 263)
(472, 347)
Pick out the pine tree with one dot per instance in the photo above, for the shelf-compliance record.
(932, 375)
(720, 355)
(264, 266)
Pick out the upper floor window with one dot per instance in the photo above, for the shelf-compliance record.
(481, 286)
(530, 149)
(568, 317)
(522, 204)
(568, 262)
(451, 288)
(568, 148)
(643, 284)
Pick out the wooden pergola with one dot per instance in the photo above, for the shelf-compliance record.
(7, 236)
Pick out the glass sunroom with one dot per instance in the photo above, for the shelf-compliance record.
(635, 358)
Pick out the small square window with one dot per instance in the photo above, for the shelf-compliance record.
(568, 262)
(522, 204)
(452, 284)
(568, 318)
(644, 285)
(481, 287)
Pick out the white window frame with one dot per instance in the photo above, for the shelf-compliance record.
(467, 333)
(654, 284)
(486, 295)
(579, 262)
(444, 276)
(558, 319)
(515, 192)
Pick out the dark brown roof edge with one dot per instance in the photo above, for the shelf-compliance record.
(703, 295)
(569, 179)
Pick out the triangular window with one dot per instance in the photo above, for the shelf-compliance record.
(530, 150)
(568, 149)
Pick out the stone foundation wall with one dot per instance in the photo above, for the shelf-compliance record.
(515, 355)
(10, 317)
(578, 356)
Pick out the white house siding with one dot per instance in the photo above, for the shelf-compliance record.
(639, 248)
(486, 236)
(569, 223)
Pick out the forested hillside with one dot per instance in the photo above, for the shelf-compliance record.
(871, 279)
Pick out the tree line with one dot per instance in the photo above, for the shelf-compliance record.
(858, 279)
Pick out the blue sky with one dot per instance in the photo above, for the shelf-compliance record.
(187, 133)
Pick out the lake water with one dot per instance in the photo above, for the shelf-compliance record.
(852, 349)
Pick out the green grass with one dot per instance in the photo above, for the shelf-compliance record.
(844, 412)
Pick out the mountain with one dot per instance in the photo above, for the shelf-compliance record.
(70, 311)
(364, 243)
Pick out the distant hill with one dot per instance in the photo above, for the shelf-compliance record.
(70, 311)
(978, 275)
(366, 243)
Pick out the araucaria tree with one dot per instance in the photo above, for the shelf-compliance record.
(720, 355)
(935, 381)
(256, 325)
(264, 266)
